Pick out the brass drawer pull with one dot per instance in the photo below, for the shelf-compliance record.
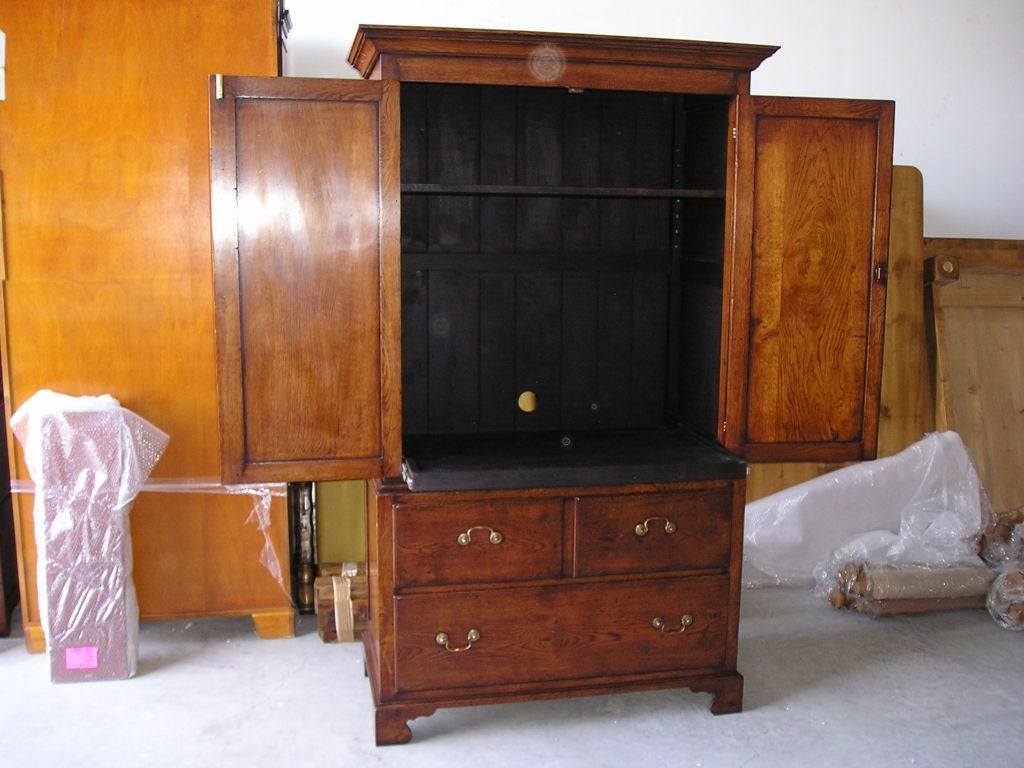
(684, 621)
(466, 538)
(642, 529)
(471, 637)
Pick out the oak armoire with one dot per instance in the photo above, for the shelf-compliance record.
(548, 294)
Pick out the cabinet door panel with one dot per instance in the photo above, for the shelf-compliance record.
(811, 217)
(304, 205)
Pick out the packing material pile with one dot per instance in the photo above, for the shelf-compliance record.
(906, 534)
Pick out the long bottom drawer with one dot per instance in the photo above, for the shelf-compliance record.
(573, 631)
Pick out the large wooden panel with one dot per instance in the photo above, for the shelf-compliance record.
(245, 568)
(907, 399)
(104, 132)
(62, 336)
(816, 190)
(977, 301)
(104, 152)
(301, 169)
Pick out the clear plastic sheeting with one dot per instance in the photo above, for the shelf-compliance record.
(1006, 599)
(1004, 542)
(260, 516)
(924, 505)
(88, 458)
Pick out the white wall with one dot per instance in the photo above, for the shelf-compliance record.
(955, 69)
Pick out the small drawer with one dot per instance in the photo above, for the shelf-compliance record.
(524, 635)
(649, 533)
(477, 541)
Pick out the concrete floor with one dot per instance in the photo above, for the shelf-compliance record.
(823, 688)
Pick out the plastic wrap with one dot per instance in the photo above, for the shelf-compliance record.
(924, 505)
(260, 516)
(1006, 599)
(88, 457)
(1005, 552)
(262, 495)
(1004, 541)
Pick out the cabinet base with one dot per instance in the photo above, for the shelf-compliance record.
(392, 718)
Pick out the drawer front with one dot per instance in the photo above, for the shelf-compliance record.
(522, 635)
(653, 532)
(478, 541)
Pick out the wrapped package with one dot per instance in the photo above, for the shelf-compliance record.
(931, 561)
(1004, 541)
(892, 582)
(880, 590)
(1006, 599)
(88, 458)
(924, 505)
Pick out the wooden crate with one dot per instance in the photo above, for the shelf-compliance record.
(341, 602)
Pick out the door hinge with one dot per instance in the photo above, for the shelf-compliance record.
(218, 87)
(734, 131)
(881, 273)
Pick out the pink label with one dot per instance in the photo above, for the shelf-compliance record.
(86, 657)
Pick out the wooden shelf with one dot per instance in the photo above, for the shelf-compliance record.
(564, 459)
(516, 190)
(526, 262)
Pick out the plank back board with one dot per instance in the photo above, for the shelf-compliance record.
(104, 143)
(976, 298)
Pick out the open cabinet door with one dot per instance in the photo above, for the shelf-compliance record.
(305, 232)
(802, 347)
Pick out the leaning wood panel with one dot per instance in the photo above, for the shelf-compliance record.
(977, 302)
(104, 151)
(907, 404)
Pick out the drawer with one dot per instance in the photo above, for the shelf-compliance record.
(523, 635)
(477, 541)
(653, 532)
